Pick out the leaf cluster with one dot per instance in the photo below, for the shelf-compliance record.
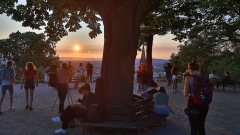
(28, 47)
(57, 16)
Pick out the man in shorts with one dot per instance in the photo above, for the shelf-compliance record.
(7, 75)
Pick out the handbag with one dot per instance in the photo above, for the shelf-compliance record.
(191, 111)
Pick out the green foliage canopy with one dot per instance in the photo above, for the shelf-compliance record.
(28, 47)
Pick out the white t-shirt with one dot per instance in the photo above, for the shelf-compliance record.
(79, 75)
(214, 76)
(8, 82)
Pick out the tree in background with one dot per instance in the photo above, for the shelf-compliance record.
(28, 47)
(161, 17)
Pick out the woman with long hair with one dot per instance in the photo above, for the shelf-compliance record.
(29, 74)
(174, 78)
(161, 99)
(196, 123)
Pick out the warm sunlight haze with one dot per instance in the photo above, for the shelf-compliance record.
(76, 48)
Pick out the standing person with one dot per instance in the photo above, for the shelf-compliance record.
(29, 74)
(62, 85)
(7, 75)
(142, 78)
(53, 67)
(89, 68)
(196, 123)
(46, 74)
(168, 73)
(70, 69)
(174, 78)
(70, 66)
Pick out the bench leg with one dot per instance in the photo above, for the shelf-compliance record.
(83, 130)
(139, 131)
(234, 88)
(165, 122)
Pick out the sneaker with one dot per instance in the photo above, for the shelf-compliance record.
(57, 119)
(60, 131)
(30, 108)
(11, 108)
(27, 106)
(1, 112)
(172, 90)
(174, 113)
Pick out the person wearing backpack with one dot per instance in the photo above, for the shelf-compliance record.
(29, 74)
(199, 91)
(77, 110)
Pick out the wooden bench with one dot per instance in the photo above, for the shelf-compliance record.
(230, 82)
(214, 81)
(223, 82)
(136, 125)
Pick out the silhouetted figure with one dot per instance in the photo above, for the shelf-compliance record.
(89, 68)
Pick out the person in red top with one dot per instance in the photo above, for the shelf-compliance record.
(29, 74)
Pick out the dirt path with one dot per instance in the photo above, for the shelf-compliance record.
(222, 119)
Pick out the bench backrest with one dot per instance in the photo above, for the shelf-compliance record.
(230, 81)
(213, 80)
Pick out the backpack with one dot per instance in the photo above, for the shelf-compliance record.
(96, 110)
(202, 94)
(53, 79)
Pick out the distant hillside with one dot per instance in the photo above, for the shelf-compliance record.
(156, 61)
(99, 60)
(79, 59)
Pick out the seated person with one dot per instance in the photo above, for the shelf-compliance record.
(78, 75)
(226, 77)
(149, 95)
(213, 75)
(77, 110)
(161, 102)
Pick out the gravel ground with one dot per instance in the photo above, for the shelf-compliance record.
(222, 119)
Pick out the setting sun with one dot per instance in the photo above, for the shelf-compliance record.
(76, 47)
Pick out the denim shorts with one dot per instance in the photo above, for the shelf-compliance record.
(7, 87)
(29, 84)
(164, 111)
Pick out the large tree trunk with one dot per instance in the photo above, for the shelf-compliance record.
(149, 40)
(121, 19)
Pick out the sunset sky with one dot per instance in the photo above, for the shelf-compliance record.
(163, 46)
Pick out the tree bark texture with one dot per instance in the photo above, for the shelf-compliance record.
(121, 19)
(149, 40)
